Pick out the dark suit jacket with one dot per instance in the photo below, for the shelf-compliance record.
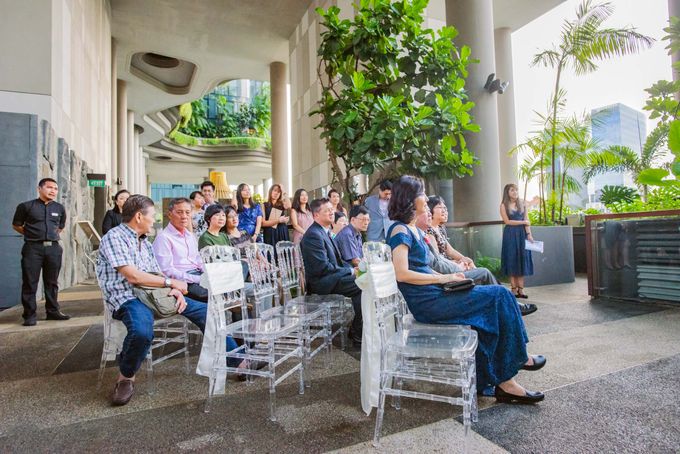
(323, 265)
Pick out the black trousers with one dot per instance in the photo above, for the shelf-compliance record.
(347, 286)
(35, 257)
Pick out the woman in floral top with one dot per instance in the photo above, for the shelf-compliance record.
(437, 232)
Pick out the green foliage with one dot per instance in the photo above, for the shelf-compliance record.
(250, 142)
(662, 198)
(492, 264)
(393, 97)
(662, 104)
(613, 194)
(253, 119)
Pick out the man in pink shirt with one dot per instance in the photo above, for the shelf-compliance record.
(176, 249)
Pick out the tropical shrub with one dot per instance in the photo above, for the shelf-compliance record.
(616, 193)
(492, 264)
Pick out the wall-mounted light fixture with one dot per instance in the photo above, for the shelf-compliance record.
(493, 84)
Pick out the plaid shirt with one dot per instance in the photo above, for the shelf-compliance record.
(121, 246)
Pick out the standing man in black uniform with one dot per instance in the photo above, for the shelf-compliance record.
(41, 221)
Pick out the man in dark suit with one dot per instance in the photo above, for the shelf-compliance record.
(325, 271)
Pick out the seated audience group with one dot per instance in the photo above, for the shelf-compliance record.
(330, 239)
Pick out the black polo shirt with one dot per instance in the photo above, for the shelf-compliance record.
(40, 221)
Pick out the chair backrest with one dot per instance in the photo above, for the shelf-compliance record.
(263, 270)
(225, 282)
(389, 303)
(90, 232)
(289, 258)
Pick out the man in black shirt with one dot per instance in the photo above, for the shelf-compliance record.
(41, 221)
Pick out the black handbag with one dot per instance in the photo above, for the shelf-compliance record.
(459, 286)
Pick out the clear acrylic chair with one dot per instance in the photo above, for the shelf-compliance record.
(418, 353)
(264, 275)
(315, 317)
(265, 341)
(292, 270)
(167, 331)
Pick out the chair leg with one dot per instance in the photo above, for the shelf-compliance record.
(303, 371)
(272, 383)
(187, 364)
(380, 413)
(151, 386)
(211, 391)
(102, 364)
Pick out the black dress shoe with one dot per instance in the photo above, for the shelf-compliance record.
(539, 362)
(29, 321)
(529, 397)
(527, 308)
(57, 316)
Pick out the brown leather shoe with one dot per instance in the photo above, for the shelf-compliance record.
(123, 392)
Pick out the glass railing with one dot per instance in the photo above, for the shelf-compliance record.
(481, 242)
(634, 256)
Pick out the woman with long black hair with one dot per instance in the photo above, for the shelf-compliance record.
(114, 216)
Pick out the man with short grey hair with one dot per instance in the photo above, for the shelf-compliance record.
(176, 249)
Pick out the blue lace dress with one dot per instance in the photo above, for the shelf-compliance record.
(515, 259)
(491, 310)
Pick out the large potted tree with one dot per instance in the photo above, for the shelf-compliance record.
(393, 95)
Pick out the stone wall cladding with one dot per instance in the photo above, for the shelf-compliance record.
(49, 156)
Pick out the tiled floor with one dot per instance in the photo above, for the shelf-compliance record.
(610, 382)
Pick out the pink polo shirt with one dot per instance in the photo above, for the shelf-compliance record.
(177, 254)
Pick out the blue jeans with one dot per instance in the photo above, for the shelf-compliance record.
(138, 319)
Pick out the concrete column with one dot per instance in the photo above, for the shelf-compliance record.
(477, 198)
(507, 135)
(131, 151)
(114, 119)
(136, 162)
(277, 80)
(122, 135)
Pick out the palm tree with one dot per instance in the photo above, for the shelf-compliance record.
(583, 42)
(619, 158)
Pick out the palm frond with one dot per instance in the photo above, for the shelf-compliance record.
(548, 58)
(654, 146)
(611, 42)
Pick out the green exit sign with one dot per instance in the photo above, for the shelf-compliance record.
(96, 183)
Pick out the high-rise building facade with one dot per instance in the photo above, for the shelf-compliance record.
(616, 124)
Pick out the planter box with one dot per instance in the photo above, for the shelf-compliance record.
(556, 264)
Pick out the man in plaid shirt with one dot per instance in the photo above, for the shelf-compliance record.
(126, 259)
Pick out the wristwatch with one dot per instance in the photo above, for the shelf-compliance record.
(168, 282)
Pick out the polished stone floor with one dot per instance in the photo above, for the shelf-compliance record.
(611, 385)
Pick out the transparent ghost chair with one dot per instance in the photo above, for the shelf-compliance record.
(167, 331)
(293, 278)
(419, 353)
(264, 275)
(315, 315)
(266, 342)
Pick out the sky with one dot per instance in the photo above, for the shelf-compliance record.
(619, 80)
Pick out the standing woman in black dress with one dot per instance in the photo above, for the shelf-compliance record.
(114, 217)
(515, 259)
(275, 230)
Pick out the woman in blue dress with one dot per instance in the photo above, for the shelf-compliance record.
(515, 259)
(491, 310)
(249, 212)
